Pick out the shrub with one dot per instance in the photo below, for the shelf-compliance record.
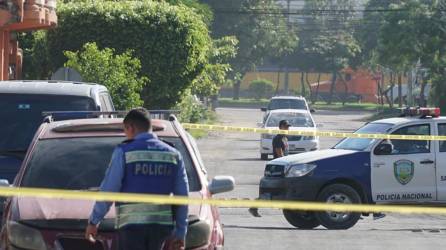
(172, 42)
(191, 110)
(119, 73)
(261, 88)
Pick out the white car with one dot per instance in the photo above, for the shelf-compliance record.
(299, 120)
(286, 102)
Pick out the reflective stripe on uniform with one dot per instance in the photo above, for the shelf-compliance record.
(150, 156)
(143, 214)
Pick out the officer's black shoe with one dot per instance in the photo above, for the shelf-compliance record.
(254, 212)
(377, 216)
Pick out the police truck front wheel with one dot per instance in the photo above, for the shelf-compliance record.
(302, 220)
(341, 194)
(264, 156)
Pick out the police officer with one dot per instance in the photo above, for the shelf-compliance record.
(280, 149)
(280, 141)
(144, 164)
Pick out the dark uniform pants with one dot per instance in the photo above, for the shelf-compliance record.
(143, 237)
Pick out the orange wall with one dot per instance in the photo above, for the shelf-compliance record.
(361, 82)
(275, 77)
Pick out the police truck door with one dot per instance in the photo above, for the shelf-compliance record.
(441, 162)
(406, 173)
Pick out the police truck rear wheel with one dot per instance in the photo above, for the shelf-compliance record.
(341, 194)
(264, 156)
(303, 220)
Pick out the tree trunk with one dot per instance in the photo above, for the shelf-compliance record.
(344, 98)
(302, 84)
(380, 100)
(382, 93)
(422, 102)
(236, 88)
(442, 105)
(332, 87)
(286, 81)
(278, 83)
(400, 91)
(308, 84)
(392, 84)
(316, 94)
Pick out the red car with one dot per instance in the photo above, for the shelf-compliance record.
(74, 155)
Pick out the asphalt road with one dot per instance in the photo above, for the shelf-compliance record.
(237, 154)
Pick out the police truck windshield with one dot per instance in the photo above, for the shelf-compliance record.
(80, 163)
(360, 144)
(22, 116)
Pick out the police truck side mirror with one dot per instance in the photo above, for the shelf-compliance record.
(221, 184)
(263, 109)
(383, 149)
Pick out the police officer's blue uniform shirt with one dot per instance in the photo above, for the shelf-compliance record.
(115, 176)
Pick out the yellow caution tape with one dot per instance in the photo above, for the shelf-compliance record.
(313, 133)
(178, 200)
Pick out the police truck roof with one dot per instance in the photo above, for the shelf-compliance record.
(414, 114)
(49, 87)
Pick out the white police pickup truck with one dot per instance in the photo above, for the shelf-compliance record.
(368, 171)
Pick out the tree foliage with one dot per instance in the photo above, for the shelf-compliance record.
(260, 36)
(417, 34)
(36, 64)
(119, 73)
(261, 88)
(213, 76)
(172, 42)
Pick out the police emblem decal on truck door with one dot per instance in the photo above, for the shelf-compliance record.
(404, 171)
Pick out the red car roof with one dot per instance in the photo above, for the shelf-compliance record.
(100, 127)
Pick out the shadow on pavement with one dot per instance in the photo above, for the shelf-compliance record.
(247, 159)
(260, 228)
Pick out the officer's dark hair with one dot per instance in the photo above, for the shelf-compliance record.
(140, 118)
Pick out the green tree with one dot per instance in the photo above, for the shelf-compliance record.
(172, 42)
(261, 88)
(327, 43)
(119, 73)
(36, 64)
(213, 76)
(259, 26)
(415, 32)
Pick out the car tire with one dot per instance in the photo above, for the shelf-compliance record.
(302, 220)
(264, 157)
(338, 193)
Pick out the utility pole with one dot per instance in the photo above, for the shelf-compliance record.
(287, 77)
(409, 88)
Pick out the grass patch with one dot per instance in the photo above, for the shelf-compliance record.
(243, 103)
(198, 133)
(349, 106)
(211, 118)
(252, 103)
